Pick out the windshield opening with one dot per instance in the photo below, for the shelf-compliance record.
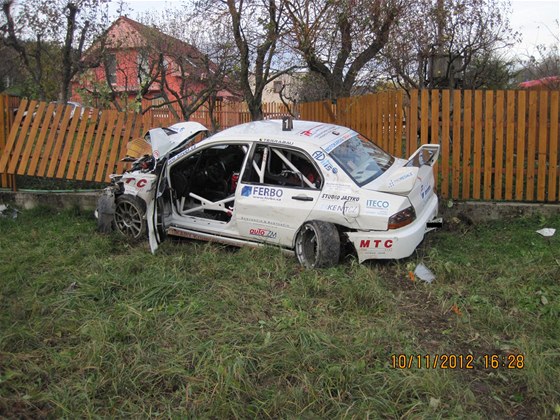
(362, 160)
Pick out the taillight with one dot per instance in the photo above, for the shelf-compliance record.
(402, 218)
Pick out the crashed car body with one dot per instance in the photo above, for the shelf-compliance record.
(307, 187)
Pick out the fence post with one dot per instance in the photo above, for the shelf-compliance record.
(6, 120)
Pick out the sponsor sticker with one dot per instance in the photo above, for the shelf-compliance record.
(320, 156)
(348, 209)
(276, 141)
(265, 193)
(333, 145)
(263, 233)
(183, 153)
(425, 191)
(400, 179)
(336, 197)
(376, 243)
(377, 204)
(379, 207)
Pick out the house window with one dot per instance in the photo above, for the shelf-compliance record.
(111, 65)
(278, 85)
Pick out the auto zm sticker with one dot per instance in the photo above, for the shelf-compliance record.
(265, 193)
(263, 233)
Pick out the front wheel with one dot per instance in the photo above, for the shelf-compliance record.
(318, 245)
(129, 216)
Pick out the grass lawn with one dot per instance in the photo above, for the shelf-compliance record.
(91, 326)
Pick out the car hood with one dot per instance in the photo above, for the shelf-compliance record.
(163, 143)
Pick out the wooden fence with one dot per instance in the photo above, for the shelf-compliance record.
(54, 141)
(226, 114)
(495, 145)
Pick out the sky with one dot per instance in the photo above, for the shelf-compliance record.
(535, 19)
(537, 22)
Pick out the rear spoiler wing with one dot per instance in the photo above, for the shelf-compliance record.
(427, 154)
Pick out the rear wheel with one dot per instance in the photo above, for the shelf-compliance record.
(129, 216)
(318, 245)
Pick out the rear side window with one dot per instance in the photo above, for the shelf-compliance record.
(285, 167)
(362, 160)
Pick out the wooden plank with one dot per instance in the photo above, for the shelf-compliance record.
(41, 140)
(107, 140)
(92, 161)
(510, 143)
(31, 138)
(456, 147)
(412, 143)
(45, 156)
(477, 149)
(499, 150)
(520, 149)
(3, 135)
(542, 146)
(391, 121)
(373, 119)
(425, 116)
(69, 144)
(434, 129)
(488, 143)
(130, 117)
(118, 137)
(553, 172)
(21, 138)
(94, 117)
(446, 116)
(80, 139)
(467, 144)
(399, 133)
(60, 141)
(379, 121)
(531, 146)
(137, 132)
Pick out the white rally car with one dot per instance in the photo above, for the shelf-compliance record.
(306, 187)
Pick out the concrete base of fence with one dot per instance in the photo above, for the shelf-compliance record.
(85, 201)
(484, 211)
(469, 211)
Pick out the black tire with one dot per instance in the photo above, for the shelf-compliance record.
(130, 218)
(318, 245)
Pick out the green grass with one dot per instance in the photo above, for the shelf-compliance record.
(91, 326)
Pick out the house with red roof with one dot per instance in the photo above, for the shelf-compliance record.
(139, 64)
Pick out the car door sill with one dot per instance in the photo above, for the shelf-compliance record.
(193, 234)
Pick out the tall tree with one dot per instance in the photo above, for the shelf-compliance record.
(51, 31)
(442, 38)
(338, 39)
(258, 29)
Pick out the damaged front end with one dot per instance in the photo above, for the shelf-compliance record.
(123, 205)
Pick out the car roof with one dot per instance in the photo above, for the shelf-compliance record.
(303, 133)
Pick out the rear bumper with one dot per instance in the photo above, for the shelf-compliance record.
(398, 243)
